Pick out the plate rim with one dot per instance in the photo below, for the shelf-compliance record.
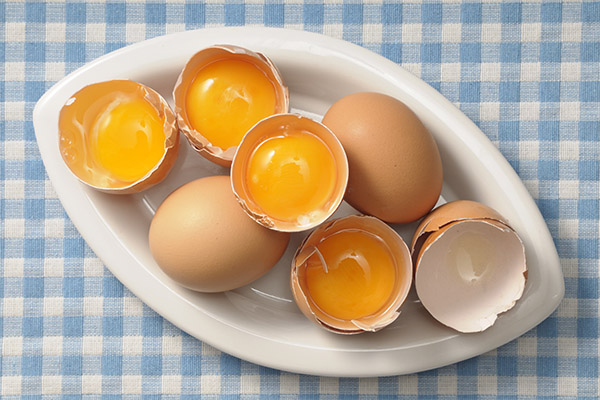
(227, 340)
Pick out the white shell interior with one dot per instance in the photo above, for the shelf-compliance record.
(472, 272)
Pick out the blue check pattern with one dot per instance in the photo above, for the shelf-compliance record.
(527, 73)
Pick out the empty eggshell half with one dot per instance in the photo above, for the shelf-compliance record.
(470, 265)
(312, 254)
(118, 136)
(229, 98)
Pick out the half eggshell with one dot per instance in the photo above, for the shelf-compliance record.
(372, 323)
(203, 58)
(78, 119)
(277, 126)
(470, 265)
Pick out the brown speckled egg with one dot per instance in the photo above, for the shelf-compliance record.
(394, 163)
(202, 239)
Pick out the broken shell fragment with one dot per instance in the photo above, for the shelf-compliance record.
(470, 265)
(352, 275)
(221, 93)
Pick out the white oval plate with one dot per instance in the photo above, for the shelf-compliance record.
(260, 323)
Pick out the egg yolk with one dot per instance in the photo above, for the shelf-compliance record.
(226, 98)
(110, 134)
(352, 275)
(129, 139)
(292, 176)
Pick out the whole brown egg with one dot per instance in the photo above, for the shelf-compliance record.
(202, 239)
(395, 168)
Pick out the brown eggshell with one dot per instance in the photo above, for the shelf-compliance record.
(202, 58)
(72, 110)
(201, 238)
(451, 212)
(395, 166)
(430, 238)
(466, 290)
(372, 323)
(276, 125)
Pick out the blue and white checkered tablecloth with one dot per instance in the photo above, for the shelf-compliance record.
(527, 73)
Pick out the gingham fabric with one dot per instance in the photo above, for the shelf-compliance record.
(527, 73)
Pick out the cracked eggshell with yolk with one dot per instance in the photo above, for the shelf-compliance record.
(470, 265)
(89, 109)
(389, 312)
(281, 126)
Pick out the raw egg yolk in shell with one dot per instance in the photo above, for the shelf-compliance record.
(351, 275)
(291, 175)
(111, 135)
(226, 98)
(129, 139)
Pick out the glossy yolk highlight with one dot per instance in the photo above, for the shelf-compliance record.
(292, 176)
(128, 139)
(111, 134)
(358, 276)
(226, 98)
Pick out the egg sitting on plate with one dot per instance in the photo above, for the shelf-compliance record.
(394, 164)
(202, 239)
